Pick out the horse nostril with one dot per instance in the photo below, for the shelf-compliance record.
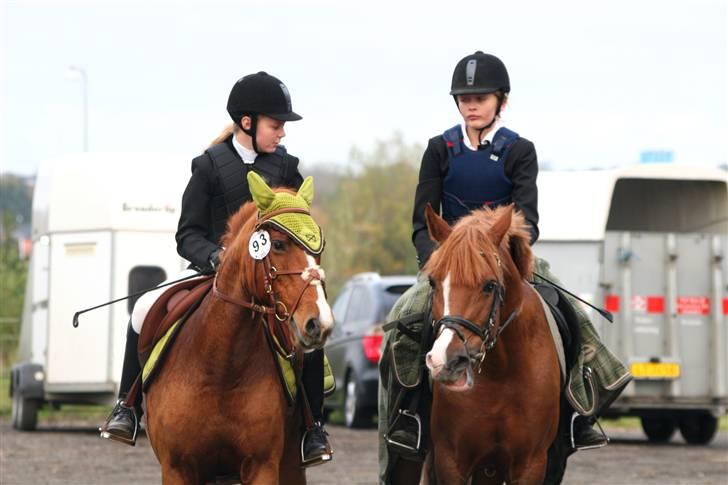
(313, 327)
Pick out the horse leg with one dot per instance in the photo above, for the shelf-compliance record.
(406, 471)
(528, 471)
(487, 477)
(179, 476)
(447, 469)
(290, 469)
(263, 472)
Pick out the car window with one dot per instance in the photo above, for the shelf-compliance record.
(340, 305)
(360, 307)
(389, 297)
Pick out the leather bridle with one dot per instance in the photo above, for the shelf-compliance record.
(279, 317)
(488, 334)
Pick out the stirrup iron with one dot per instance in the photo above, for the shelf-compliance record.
(103, 433)
(317, 460)
(404, 413)
(593, 447)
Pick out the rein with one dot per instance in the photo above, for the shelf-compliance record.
(488, 334)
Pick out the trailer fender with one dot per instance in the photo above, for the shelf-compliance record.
(27, 380)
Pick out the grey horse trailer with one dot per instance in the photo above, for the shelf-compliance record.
(650, 244)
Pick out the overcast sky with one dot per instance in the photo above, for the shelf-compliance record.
(593, 83)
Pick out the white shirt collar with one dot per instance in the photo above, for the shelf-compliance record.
(488, 137)
(247, 155)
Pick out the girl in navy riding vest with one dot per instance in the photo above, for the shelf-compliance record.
(482, 163)
(259, 105)
(479, 162)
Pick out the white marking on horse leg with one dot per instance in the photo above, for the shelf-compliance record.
(326, 318)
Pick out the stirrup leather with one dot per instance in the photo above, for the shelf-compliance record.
(316, 460)
(592, 447)
(103, 433)
(405, 414)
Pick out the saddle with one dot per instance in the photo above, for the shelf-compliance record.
(162, 322)
(566, 322)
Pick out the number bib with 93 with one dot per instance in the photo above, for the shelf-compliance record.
(259, 244)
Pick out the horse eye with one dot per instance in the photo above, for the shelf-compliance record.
(432, 283)
(279, 245)
(489, 287)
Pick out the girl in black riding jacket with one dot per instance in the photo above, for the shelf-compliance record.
(259, 105)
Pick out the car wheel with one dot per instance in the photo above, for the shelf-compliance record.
(354, 415)
(698, 428)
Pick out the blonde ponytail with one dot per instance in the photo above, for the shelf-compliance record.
(229, 130)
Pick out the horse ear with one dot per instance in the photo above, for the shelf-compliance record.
(521, 253)
(437, 227)
(500, 228)
(262, 194)
(306, 190)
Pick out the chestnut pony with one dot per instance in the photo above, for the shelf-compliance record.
(496, 374)
(217, 407)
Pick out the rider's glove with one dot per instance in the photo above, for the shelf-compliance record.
(215, 259)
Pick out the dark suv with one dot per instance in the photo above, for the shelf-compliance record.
(354, 346)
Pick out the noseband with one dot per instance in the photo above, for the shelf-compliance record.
(488, 334)
(279, 316)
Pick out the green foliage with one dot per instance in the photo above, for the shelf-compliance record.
(368, 217)
(15, 201)
(15, 208)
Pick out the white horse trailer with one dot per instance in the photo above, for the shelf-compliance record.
(103, 227)
(650, 243)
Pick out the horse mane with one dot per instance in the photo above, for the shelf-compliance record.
(468, 254)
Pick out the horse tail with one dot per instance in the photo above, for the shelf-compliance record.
(224, 135)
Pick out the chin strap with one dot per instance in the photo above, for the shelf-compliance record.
(252, 132)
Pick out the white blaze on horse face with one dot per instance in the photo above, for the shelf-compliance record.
(446, 295)
(326, 318)
(436, 357)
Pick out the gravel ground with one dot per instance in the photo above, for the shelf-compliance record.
(71, 453)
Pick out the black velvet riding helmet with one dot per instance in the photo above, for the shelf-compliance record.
(480, 73)
(260, 94)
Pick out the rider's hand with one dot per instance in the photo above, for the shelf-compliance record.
(215, 258)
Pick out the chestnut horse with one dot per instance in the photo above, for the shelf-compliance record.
(217, 407)
(495, 369)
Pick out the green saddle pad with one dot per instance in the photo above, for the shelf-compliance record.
(284, 367)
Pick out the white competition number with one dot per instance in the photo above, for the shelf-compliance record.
(259, 244)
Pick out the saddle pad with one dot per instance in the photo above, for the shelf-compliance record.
(157, 351)
(285, 369)
(555, 334)
(289, 377)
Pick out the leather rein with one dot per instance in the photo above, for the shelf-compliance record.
(487, 334)
(279, 317)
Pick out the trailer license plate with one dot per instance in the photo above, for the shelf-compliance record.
(655, 370)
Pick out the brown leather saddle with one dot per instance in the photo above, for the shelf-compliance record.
(160, 319)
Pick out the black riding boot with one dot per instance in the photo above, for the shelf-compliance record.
(315, 447)
(123, 422)
(585, 437)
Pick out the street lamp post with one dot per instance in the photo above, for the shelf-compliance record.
(84, 85)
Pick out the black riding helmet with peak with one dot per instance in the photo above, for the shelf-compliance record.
(481, 73)
(260, 94)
